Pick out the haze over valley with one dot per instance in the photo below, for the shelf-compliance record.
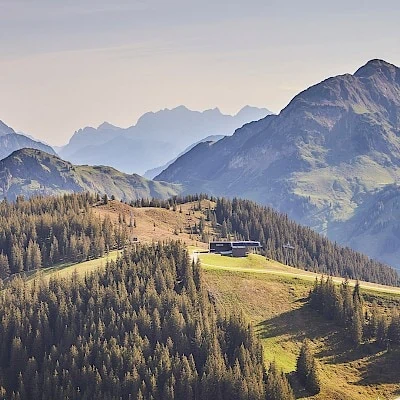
(164, 235)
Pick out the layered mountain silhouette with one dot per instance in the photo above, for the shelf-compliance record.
(327, 159)
(154, 140)
(152, 173)
(11, 141)
(31, 172)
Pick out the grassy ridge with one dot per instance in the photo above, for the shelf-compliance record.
(65, 270)
(274, 299)
(258, 264)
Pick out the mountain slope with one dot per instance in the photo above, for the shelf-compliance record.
(376, 226)
(151, 173)
(155, 139)
(5, 129)
(28, 172)
(87, 136)
(11, 141)
(319, 160)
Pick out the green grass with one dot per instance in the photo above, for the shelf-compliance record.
(257, 264)
(274, 348)
(251, 263)
(67, 269)
(275, 304)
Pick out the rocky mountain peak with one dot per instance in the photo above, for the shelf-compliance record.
(107, 126)
(379, 67)
(5, 129)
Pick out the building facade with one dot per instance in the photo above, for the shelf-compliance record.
(233, 248)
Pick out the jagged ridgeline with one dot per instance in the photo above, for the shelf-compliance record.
(143, 327)
(312, 251)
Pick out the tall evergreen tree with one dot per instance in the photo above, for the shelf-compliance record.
(307, 369)
(4, 266)
(277, 385)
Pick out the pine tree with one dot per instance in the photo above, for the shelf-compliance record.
(393, 332)
(4, 266)
(373, 321)
(224, 230)
(307, 369)
(17, 259)
(356, 328)
(313, 380)
(381, 332)
(277, 385)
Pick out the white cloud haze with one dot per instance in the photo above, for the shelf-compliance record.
(68, 64)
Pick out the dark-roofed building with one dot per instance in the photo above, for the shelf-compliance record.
(233, 248)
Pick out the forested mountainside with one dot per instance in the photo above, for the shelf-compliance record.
(312, 251)
(43, 231)
(244, 219)
(31, 172)
(155, 139)
(332, 149)
(142, 328)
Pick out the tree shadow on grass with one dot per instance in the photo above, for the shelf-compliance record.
(300, 323)
(375, 366)
(383, 367)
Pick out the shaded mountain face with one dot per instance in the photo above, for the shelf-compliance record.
(30, 172)
(375, 226)
(11, 141)
(154, 140)
(151, 173)
(333, 147)
(5, 130)
(90, 136)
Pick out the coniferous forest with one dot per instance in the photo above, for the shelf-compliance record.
(44, 231)
(142, 328)
(312, 251)
(145, 327)
(346, 307)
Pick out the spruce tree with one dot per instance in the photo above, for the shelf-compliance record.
(307, 369)
(356, 327)
(4, 266)
(277, 385)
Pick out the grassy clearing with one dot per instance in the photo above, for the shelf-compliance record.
(260, 265)
(66, 270)
(275, 303)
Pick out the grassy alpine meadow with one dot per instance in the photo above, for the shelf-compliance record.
(65, 270)
(274, 298)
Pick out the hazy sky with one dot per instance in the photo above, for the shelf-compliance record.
(66, 64)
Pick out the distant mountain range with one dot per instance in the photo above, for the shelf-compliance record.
(155, 139)
(29, 171)
(330, 159)
(11, 141)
